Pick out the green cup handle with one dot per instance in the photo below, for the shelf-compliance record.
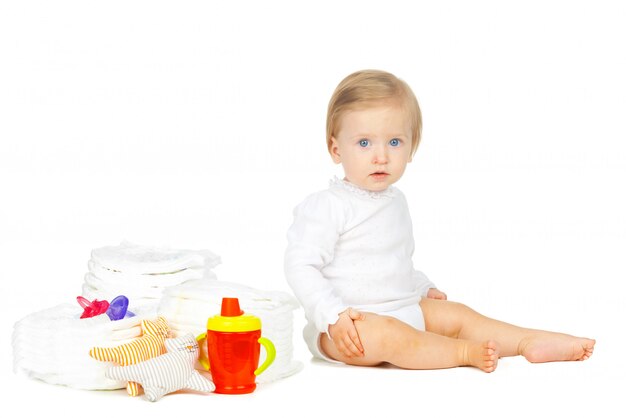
(202, 361)
(271, 355)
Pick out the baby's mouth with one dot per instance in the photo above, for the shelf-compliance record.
(379, 174)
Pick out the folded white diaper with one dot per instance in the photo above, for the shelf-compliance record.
(154, 279)
(53, 345)
(132, 290)
(141, 273)
(135, 259)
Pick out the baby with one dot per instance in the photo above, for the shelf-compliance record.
(349, 262)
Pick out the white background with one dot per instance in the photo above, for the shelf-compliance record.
(202, 124)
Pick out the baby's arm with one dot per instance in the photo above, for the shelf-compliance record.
(318, 222)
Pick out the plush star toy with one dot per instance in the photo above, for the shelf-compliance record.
(167, 373)
(149, 345)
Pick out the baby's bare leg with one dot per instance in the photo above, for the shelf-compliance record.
(458, 321)
(387, 339)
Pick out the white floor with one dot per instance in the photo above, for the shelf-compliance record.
(516, 388)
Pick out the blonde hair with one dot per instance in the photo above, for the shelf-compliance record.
(368, 88)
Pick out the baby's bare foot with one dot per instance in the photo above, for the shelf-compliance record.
(483, 355)
(543, 347)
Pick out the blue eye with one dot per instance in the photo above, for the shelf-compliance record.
(394, 142)
(364, 142)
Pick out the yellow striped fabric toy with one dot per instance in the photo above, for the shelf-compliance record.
(167, 373)
(150, 344)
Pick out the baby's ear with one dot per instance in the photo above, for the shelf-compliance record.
(334, 150)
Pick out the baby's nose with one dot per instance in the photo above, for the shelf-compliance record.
(380, 155)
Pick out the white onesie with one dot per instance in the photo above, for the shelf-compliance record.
(350, 247)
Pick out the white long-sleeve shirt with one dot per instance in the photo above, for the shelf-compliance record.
(350, 247)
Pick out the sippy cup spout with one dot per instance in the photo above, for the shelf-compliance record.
(230, 307)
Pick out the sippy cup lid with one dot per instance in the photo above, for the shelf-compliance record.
(233, 319)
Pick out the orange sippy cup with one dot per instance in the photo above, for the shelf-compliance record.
(234, 344)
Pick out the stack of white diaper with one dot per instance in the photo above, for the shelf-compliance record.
(188, 306)
(142, 273)
(53, 345)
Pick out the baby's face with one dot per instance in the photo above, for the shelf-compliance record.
(373, 145)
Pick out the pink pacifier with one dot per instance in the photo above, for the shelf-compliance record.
(91, 309)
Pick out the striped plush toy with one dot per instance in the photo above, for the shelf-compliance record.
(167, 373)
(149, 345)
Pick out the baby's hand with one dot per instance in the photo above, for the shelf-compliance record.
(436, 294)
(344, 334)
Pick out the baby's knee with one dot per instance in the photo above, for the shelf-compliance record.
(377, 336)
